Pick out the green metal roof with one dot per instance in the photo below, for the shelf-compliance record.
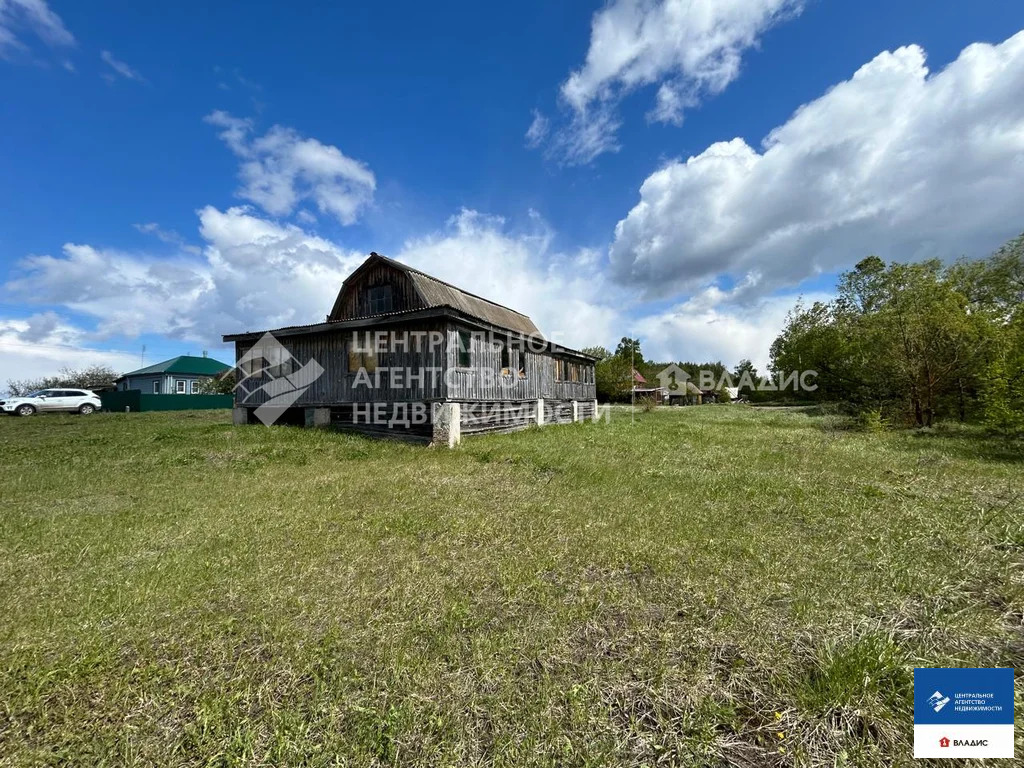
(198, 366)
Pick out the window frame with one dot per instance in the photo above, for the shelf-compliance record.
(366, 359)
(505, 357)
(379, 299)
(464, 351)
(253, 366)
(194, 389)
(156, 387)
(180, 387)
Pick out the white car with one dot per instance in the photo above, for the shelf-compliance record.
(76, 400)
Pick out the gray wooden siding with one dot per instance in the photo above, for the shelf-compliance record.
(558, 411)
(586, 410)
(479, 417)
(339, 385)
(473, 384)
(354, 300)
(447, 382)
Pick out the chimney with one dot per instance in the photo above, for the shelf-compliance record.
(204, 353)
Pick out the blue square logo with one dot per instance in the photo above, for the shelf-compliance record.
(962, 696)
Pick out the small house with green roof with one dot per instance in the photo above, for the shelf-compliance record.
(178, 376)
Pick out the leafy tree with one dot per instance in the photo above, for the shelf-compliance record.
(1002, 391)
(614, 378)
(629, 349)
(600, 353)
(92, 377)
(218, 385)
(920, 338)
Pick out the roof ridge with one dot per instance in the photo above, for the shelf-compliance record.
(403, 265)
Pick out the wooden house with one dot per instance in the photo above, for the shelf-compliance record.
(405, 354)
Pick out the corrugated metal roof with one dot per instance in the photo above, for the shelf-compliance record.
(438, 293)
(387, 318)
(199, 366)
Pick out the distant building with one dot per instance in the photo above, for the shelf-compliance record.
(177, 376)
(643, 391)
(687, 394)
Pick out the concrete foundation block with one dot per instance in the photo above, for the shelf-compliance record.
(540, 411)
(240, 416)
(447, 422)
(575, 411)
(318, 417)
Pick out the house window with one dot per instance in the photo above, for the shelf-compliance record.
(465, 347)
(253, 366)
(559, 370)
(379, 299)
(505, 357)
(156, 387)
(282, 366)
(360, 357)
(179, 386)
(195, 386)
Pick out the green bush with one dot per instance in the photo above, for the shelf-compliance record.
(1003, 399)
(871, 421)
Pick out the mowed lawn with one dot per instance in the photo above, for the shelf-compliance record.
(706, 586)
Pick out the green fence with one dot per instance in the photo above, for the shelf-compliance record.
(135, 400)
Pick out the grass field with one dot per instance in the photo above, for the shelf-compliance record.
(707, 586)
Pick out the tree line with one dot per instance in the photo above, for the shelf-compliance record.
(102, 376)
(614, 372)
(917, 342)
(92, 377)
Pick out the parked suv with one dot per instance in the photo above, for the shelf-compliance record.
(78, 400)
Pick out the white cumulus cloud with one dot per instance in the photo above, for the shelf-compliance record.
(715, 325)
(251, 273)
(564, 293)
(895, 161)
(43, 343)
(281, 168)
(693, 48)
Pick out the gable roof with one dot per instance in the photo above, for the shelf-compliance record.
(197, 366)
(437, 293)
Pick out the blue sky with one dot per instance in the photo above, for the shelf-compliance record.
(174, 173)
